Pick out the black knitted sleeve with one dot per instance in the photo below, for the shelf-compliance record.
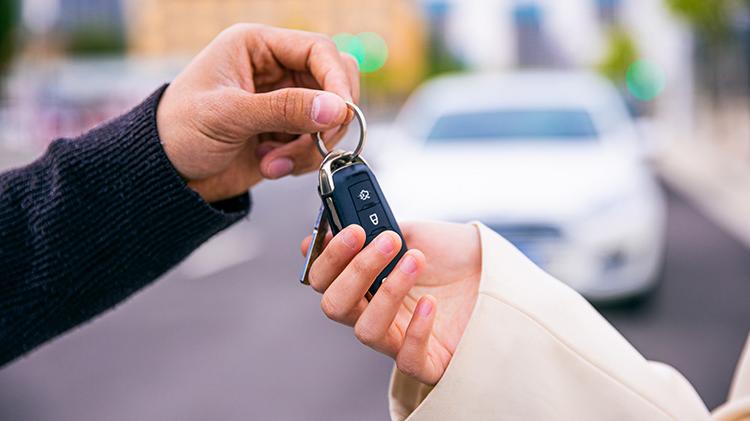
(92, 221)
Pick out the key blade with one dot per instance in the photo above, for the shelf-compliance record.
(320, 229)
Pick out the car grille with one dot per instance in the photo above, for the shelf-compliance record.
(533, 240)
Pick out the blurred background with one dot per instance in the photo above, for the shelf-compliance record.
(609, 140)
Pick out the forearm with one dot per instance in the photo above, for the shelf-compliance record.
(91, 222)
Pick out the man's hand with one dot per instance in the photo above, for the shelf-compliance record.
(419, 314)
(243, 110)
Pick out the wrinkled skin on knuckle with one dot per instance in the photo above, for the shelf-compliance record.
(290, 107)
(331, 310)
(323, 47)
(315, 284)
(407, 366)
(388, 291)
(240, 31)
(321, 39)
(363, 267)
(281, 104)
(350, 61)
(365, 334)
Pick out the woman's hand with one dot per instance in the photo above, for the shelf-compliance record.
(243, 110)
(418, 315)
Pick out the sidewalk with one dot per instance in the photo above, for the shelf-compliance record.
(714, 180)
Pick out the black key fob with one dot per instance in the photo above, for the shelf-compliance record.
(351, 195)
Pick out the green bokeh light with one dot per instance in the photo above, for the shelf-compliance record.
(351, 44)
(368, 48)
(376, 51)
(645, 80)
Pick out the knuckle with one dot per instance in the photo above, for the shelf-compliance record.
(389, 291)
(324, 40)
(280, 103)
(362, 267)
(350, 60)
(407, 365)
(287, 104)
(365, 334)
(332, 310)
(240, 29)
(315, 283)
(324, 47)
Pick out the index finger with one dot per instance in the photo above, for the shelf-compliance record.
(311, 52)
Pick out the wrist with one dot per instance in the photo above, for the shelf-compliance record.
(213, 189)
(168, 128)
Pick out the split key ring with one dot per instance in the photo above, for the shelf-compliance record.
(362, 133)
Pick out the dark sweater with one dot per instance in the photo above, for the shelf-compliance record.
(92, 221)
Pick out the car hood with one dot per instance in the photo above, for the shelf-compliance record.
(505, 183)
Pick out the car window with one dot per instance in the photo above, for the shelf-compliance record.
(562, 124)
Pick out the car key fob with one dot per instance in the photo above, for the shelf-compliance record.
(350, 194)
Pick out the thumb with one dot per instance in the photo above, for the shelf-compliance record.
(295, 110)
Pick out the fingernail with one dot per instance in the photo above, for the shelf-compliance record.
(424, 308)
(408, 265)
(280, 167)
(384, 244)
(349, 238)
(326, 107)
(263, 149)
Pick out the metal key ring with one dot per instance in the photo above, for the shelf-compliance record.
(362, 133)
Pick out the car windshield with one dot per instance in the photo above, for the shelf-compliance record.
(549, 124)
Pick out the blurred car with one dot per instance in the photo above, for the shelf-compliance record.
(552, 161)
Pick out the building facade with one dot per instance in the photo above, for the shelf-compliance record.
(183, 27)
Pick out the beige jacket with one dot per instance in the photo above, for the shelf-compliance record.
(535, 350)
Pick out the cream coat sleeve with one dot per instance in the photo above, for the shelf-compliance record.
(534, 349)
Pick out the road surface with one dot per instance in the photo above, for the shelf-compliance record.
(231, 335)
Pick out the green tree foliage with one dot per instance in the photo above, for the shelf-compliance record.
(8, 23)
(709, 17)
(621, 53)
(95, 40)
(440, 60)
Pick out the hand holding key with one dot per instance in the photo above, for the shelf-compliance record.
(420, 312)
(243, 110)
(350, 194)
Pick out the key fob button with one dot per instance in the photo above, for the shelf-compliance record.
(363, 195)
(373, 219)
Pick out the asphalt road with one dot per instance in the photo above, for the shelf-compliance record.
(231, 335)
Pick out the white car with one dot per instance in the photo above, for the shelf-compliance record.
(550, 160)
